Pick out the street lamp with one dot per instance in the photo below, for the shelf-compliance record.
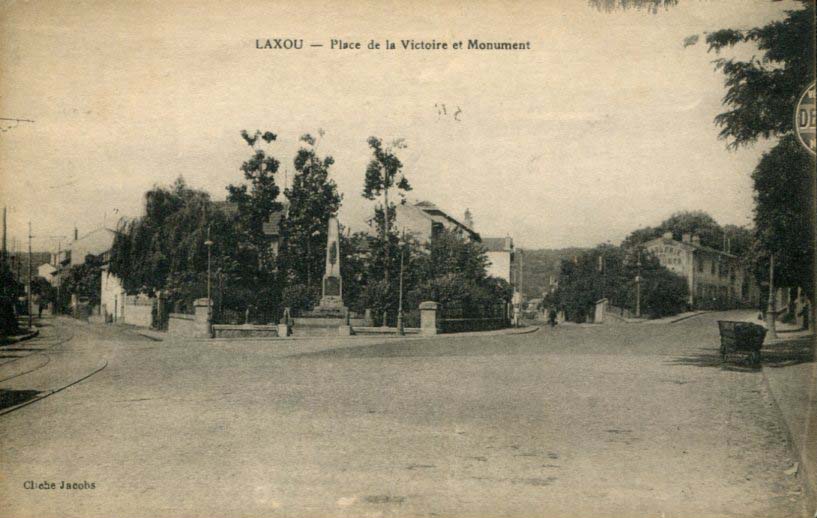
(770, 310)
(209, 245)
(400, 330)
(638, 286)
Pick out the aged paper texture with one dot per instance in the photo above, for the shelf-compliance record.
(361, 258)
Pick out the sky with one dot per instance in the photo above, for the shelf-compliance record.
(605, 125)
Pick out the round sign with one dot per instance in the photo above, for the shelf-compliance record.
(804, 119)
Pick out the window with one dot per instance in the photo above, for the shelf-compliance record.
(712, 269)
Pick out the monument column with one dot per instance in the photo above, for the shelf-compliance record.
(332, 284)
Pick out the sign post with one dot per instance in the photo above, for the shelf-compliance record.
(804, 120)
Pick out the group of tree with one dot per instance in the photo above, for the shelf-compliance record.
(10, 290)
(610, 272)
(761, 93)
(585, 276)
(166, 250)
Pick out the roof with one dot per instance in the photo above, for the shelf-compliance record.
(497, 244)
(692, 246)
(100, 229)
(438, 215)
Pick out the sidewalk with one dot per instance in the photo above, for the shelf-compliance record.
(8, 340)
(790, 372)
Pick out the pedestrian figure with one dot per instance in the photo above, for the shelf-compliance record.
(804, 312)
(552, 317)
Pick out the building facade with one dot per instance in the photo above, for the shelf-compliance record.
(716, 279)
(501, 256)
(424, 220)
(96, 243)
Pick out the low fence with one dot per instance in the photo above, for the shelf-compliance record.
(462, 325)
(435, 318)
(244, 331)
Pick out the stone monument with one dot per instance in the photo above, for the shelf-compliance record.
(331, 303)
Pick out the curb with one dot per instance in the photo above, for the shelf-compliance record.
(52, 391)
(803, 474)
(355, 337)
(149, 335)
(19, 338)
(686, 317)
(522, 331)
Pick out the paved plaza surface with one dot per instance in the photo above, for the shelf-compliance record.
(627, 420)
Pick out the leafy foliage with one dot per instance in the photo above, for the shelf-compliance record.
(9, 291)
(300, 297)
(85, 280)
(313, 199)
(783, 205)
(761, 92)
(609, 271)
(257, 200)
(651, 6)
(165, 247)
(697, 223)
(384, 172)
(450, 270)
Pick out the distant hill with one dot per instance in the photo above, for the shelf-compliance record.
(539, 265)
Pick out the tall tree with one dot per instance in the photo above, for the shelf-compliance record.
(761, 93)
(783, 220)
(760, 97)
(313, 199)
(165, 248)
(257, 198)
(384, 172)
(684, 222)
(609, 271)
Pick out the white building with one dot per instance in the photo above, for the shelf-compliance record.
(46, 271)
(112, 296)
(424, 220)
(715, 278)
(95, 242)
(501, 255)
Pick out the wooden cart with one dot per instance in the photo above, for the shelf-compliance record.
(744, 337)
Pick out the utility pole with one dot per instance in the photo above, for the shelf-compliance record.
(58, 280)
(638, 286)
(4, 237)
(209, 245)
(386, 228)
(30, 307)
(770, 310)
(400, 330)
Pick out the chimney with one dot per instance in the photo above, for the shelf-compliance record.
(696, 240)
(667, 235)
(686, 237)
(468, 219)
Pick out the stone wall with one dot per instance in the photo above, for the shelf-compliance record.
(244, 331)
(137, 313)
(191, 326)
